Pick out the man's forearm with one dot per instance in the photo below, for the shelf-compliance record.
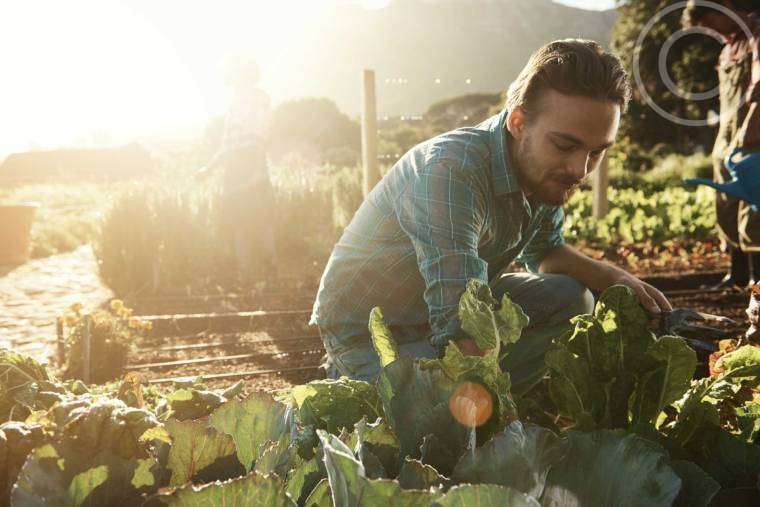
(598, 275)
(566, 260)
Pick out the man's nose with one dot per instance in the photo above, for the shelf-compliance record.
(578, 166)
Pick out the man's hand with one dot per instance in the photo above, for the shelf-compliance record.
(650, 298)
(469, 348)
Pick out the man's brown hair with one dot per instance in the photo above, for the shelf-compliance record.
(571, 67)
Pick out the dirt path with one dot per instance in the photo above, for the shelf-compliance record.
(34, 294)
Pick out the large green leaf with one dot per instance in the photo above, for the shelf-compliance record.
(335, 404)
(611, 468)
(667, 382)
(253, 490)
(379, 439)
(276, 458)
(58, 474)
(611, 371)
(303, 478)
(194, 447)
(96, 424)
(485, 495)
(382, 339)
(320, 496)
(729, 460)
(589, 340)
(748, 418)
(251, 423)
(350, 487)
(82, 485)
(490, 327)
(17, 440)
(19, 375)
(484, 371)
(519, 458)
(698, 409)
(416, 403)
(743, 364)
(415, 474)
(698, 488)
(573, 389)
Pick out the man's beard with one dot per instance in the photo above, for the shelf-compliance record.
(553, 187)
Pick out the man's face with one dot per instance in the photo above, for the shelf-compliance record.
(559, 146)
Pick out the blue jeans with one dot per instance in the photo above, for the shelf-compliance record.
(549, 300)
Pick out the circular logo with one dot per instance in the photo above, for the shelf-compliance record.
(662, 68)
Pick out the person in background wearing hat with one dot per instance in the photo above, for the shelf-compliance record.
(739, 75)
(247, 202)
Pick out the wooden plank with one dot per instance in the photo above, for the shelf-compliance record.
(220, 359)
(225, 321)
(222, 344)
(235, 375)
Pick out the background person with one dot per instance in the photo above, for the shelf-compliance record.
(739, 85)
(247, 200)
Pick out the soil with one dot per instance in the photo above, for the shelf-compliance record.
(299, 345)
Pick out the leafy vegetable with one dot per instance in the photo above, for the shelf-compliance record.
(350, 487)
(484, 495)
(253, 490)
(335, 404)
(194, 447)
(611, 371)
(611, 468)
(251, 424)
(19, 375)
(519, 458)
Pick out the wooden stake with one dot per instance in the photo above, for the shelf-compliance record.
(87, 343)
(600, 183)
(59, 341)
(371, 172)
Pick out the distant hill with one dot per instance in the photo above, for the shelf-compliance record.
(419, 41)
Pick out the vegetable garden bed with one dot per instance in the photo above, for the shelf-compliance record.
(621, 422)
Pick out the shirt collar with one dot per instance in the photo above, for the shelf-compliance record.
(503, 176)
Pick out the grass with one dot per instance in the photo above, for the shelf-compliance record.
(68, 215)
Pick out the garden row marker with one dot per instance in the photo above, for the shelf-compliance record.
(371, 174)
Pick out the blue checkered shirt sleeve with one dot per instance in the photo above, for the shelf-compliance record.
(443, 211)
(548, 236)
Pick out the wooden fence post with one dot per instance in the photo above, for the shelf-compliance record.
(59, 340)
(371, 169)
(600, 183)
(87, 349)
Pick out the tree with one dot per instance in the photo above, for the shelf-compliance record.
(691, 63)
(315, 129)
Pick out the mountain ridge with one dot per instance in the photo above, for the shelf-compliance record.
(411, 43)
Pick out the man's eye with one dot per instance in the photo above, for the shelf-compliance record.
(597, 153)
(564, 148)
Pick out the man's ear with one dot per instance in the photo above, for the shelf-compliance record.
(516, 122)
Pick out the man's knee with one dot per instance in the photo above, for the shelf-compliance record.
(571, 298)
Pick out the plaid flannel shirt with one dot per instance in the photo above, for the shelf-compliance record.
(450, 209)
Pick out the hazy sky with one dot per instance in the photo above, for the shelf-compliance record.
(75, 70)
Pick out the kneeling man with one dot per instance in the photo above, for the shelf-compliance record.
(466, 204)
